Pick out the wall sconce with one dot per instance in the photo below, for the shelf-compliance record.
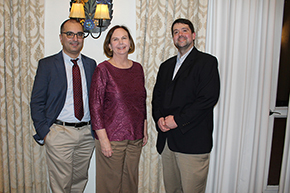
(95, 16)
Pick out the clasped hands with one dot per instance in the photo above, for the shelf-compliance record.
(167, 123)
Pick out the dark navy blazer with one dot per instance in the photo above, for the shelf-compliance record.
(49, 91)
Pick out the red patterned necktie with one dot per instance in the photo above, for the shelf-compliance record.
(77, 90)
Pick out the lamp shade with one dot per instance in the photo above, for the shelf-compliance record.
(102, 12)
(77, 11)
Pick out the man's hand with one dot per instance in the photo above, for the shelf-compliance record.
(162, 126)
(170, 122)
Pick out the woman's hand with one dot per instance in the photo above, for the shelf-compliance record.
(106, 147)
(145, 138)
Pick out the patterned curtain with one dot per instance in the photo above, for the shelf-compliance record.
(22, 163)
(154, 45)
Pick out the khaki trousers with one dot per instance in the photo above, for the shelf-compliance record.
(184, 173)
(118, 173)
(68, 155)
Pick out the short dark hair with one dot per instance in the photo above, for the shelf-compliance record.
(68, 20)
(107, 51)
(184, 21)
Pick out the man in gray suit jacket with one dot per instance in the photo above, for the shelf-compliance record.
(66, 132)
(185, 93)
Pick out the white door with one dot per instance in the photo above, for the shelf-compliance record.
(277, 165)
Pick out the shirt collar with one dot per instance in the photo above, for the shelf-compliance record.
(68, 59)
(182, 58)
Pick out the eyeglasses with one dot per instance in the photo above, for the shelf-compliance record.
(71, 35)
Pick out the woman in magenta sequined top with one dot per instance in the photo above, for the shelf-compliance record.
(118, 114)
(118, 101)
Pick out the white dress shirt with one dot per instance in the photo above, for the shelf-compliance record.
(67, 113)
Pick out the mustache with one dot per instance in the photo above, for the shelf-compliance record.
(74, 42)
(181, 37)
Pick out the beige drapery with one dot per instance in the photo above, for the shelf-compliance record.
(22, 164)
(153, 46)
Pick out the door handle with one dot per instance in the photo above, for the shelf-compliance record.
(274, 112)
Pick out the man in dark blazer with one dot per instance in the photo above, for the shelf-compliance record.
(186, 91)
(67, 137)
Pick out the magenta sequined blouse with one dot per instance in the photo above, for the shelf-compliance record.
(118, 101)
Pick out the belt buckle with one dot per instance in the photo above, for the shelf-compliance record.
(80, 124)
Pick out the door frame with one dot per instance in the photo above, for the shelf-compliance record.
(282, 113)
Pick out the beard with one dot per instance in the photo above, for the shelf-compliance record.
(183, 46)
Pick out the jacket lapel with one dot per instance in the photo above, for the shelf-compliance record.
(171, 69)
(189, 61)
(59, 65)
(88, 71)
(59, 62)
